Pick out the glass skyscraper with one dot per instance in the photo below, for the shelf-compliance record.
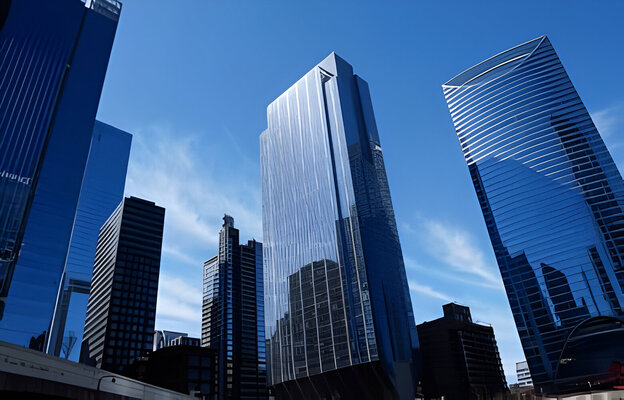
(101, 192)
(233, 315)
(54, 58)
(121, 311)
(338, 314)
(552, 199)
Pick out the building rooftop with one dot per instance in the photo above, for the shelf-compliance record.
(496, 66)
(108, 8)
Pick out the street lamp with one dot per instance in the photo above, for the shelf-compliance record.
(105, 376)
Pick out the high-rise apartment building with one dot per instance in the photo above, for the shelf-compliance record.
(460, 358)
(233, 315)
(523, 374)
(101, 192)
(121, 311)
(339, 318)
(163, 338)
(552, 199)
(54, 58)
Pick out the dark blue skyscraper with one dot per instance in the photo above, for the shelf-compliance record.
(101, 192)
(54, 58)
(233, 315)
(339, 318)
(553, 202)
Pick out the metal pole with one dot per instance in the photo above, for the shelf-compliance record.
(105, 376)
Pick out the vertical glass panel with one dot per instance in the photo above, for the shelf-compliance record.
(328, 229)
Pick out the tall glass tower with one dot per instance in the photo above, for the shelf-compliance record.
(338, 315)
(101, 192)
(233, 315)
(553, 203)
(54, 58)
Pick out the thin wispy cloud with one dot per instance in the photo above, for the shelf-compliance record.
(179, 255)
(184, 172)
(610, 124)
(428, 291)
(435, 270)
(609, 120)
(178, 300)
(180, 173)
(455, 248)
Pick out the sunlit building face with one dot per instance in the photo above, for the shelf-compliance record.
(337, 308)
(552, 199)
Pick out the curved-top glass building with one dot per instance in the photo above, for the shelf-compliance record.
(339, 320)
(552, 199)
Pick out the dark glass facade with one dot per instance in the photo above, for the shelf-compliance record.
(121, 311)
(460, 358)
(338, 312)
(54, 58)
(101, 192)
(551, 197)
(183, 368)
(233, 315)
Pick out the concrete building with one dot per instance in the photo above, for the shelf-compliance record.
(460, 358)
(523, 374)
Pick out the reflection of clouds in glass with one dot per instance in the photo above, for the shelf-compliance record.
(326, 197)
(551, 198)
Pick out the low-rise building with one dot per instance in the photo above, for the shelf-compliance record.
(461, 357)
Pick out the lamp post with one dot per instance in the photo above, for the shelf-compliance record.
(115, 377)
(105, 376)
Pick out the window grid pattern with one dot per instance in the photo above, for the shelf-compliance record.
(233, 315)
(121, 311)
(550, 193)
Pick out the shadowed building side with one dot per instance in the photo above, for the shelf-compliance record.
(461, 358)
(121, 311)
(54, 59)
(233, 315)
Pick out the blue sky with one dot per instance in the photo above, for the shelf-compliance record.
(191, 81)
